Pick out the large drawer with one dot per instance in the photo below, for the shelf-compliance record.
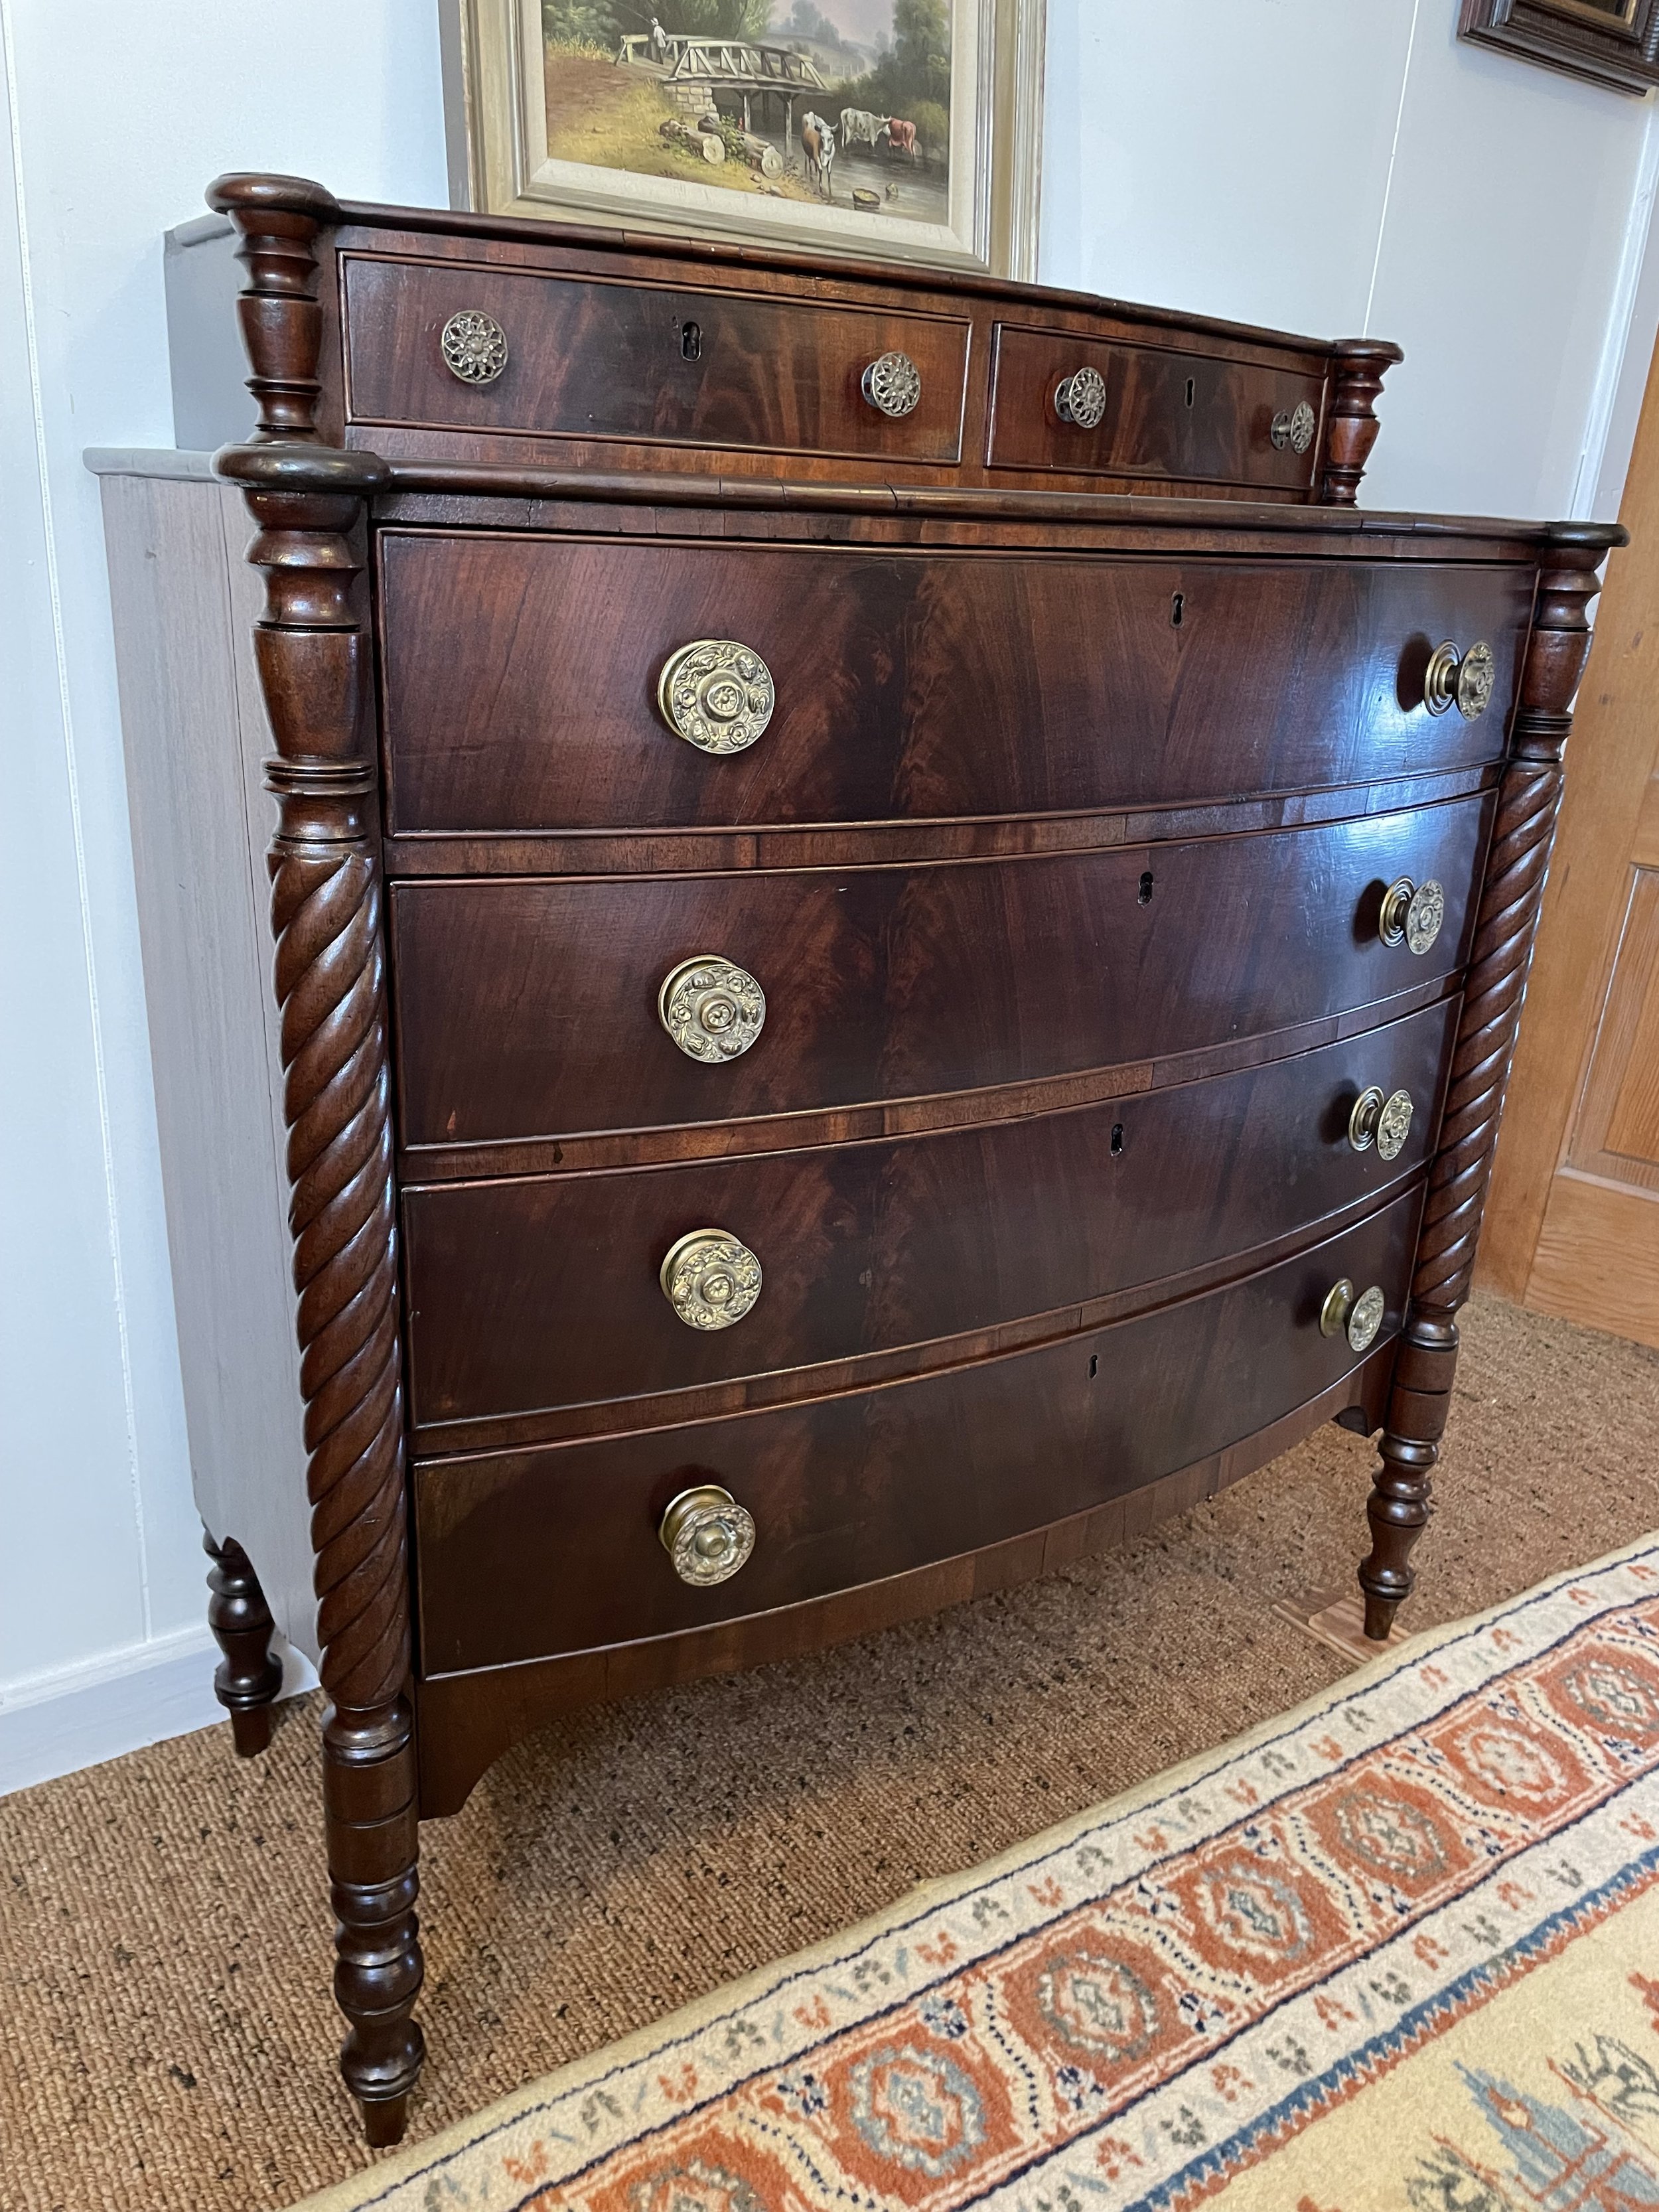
(532, 1294)
(1164, 413)
(528, 1007)
(911, 684)
(590, 357)
(526, 1553)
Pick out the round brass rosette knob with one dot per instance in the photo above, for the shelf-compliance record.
(1080, 398)
(707, 1534)
(1464, 682)
(1384, 1122)
(716, 694)
(1294, 429)
(711, 1009)
(1393, 1125)
(474, 346)
(892, 385)
(1358, 1318)
(1411, 913)
(710, 1280)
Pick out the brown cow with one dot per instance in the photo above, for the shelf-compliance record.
(901, 136)
(817, 146)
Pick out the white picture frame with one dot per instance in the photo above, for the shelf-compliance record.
(505, 157)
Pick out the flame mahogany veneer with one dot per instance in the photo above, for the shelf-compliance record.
(1061, 862)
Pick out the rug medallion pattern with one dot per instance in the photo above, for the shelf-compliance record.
(1179, 1998)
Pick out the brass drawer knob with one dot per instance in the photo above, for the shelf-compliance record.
(1294, 429)
(710, 1280)
(713, 1009)
(716, 694)
(1384, 1122)
(707, 1534)
(474, 346)
(1358, 1318)
(1465, 683)
(1411, 913)
(892, 385)
(1080, 398)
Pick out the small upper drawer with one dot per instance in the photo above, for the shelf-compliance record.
(906, 685)
(592, 358)
(1093, 408)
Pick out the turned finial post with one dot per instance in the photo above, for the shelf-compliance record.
(1357, 369)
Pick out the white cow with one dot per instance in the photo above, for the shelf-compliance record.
(817, 146)
(860, 128)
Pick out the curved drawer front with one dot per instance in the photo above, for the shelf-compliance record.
(910, 684)
(1162, 413)
(586, 358)
(529, 1007)
(538, 1294)
(527, 1553)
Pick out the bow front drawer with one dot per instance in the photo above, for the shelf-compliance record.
(541, 1008)
(445, 346)
(526, 1296)
(1096, 409)
(561, 1549)
(618, 685)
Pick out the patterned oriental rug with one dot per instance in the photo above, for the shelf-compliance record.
(1397, 1949)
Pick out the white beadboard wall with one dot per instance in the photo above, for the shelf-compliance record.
(1341, 167)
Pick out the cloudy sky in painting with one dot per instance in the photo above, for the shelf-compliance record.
(859, 20)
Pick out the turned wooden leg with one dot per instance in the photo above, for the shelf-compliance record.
(247, 1680)
(368, 1791)
(1398, 1507)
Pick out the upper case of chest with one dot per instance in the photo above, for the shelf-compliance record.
(1033, 1120)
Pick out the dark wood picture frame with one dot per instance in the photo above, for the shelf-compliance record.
(1610, 42)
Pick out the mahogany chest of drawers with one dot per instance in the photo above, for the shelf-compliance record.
(899, 932)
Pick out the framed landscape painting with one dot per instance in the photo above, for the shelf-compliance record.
(905, 130)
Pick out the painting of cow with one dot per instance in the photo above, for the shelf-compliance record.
(817, 149)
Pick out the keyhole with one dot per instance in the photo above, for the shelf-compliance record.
(1094, 1365)
(1177, 608)
(1117, 1138)
(1192, 387)
(1144, 897)
(692, 342)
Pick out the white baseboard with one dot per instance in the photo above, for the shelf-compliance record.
(79, 1716)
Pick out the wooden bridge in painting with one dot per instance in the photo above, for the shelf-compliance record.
(735, 62)
(695, 69)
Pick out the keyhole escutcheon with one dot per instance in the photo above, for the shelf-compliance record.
(691, 341)
(1143, 896)
(1177, 610)
(1192, 388)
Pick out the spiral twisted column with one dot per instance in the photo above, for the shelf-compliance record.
(307, 501)
(1507, 925)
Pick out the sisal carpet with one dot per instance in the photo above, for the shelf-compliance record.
(1444, 1869)
(167, 2028)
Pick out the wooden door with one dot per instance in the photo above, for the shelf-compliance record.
(1572, 1223)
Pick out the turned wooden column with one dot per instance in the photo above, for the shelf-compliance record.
(307, 501)
(1511, 892)
(1350, 425)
